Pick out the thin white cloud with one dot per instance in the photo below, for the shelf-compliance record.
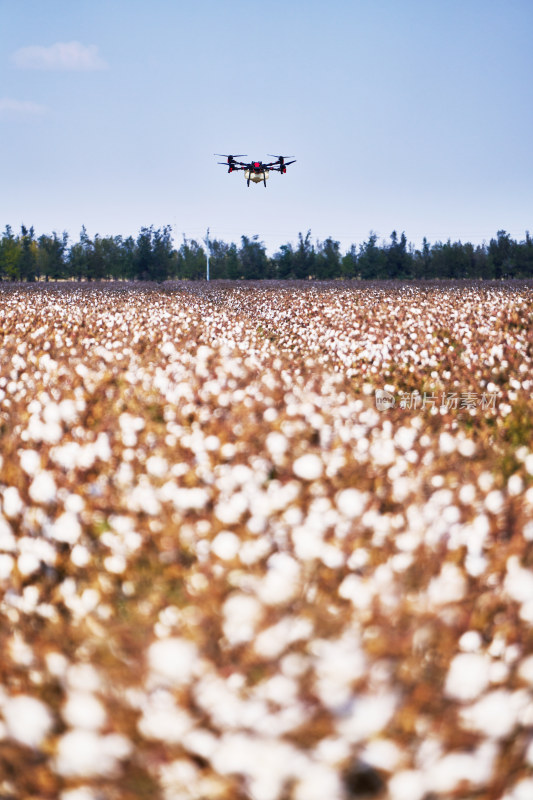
(25, 107)
(68, 56)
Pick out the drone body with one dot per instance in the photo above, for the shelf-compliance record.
(256, 171)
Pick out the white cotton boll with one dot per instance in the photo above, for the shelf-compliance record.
(178, 779)
(212, 443)
(447, 443)
(407, 785)
(80, 555)
(331, 556)
(66, 528)
(157, 466)
(319, 781)
(369, 716)
(523, 790)
(11, 502)
(194, 499)
(68, 455)
(405, 437)
(499, 672)
(359, 558)
(467, 494)
(382, 754)
(116, 564)
(74, 504)
(276, 443)
(475, 565)
(68, 411)
(468, 676)
(84, 754)
(172, 660)
(102, 447)
(351, 502)
(281, 581)
(308, 467)
(525, 670)
(225, 545)
(230, 511)
(496, 713)
(6, 566)
(455, 768)
(518, 581)
(80, 793)
(28, 563)
(272, 641)
(332, 750)
(7, 540)
(470, 642)
(144, 498)
(485, 481)
(241, 615)
(43, 488)
(20, 651)
(267, 764)
(30, 461)
(448, 587)
(163, 721)
(252, 551)
(527, 531)
(515, 485)
(84, 710)
(494, 502)
(338, 663)
(308, 542)
(383, 451)
(467, 448)
(407, 542)
(27, 720)
(358, 590)
(56, 664)
(200, 741)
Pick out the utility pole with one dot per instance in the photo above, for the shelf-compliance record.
(207, 250)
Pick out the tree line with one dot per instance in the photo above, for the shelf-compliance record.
(152, 256)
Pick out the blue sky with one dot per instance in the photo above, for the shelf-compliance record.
(414, 115)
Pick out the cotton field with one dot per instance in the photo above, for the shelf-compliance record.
(266, 541)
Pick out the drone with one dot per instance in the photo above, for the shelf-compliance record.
(256, 171)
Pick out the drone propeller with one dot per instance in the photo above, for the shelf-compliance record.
(280, 158)
(223, 155)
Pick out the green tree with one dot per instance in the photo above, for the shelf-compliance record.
(253, 259)
(283, 262)
(163, 254)
(349, 263)
(500, 251)
(372, 262)
(398, 259)
(223, 260)
(328, 259)
(28, 254)
(51, 256)
(191, 260)
(304, 257)
(10, 252)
